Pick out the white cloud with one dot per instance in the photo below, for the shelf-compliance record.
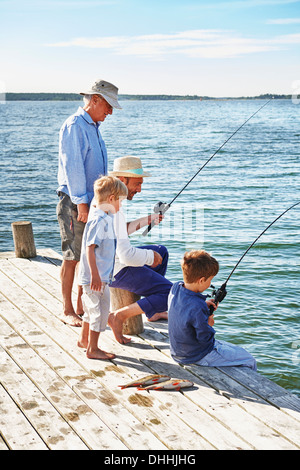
(236, 4)
(53, 4)
(287, 39)
(208, 44)
(284, 21)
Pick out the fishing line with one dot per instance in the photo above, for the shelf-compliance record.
(162, 207)
(219, 294)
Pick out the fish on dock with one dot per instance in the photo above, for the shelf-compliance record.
(148, 380)
(172, 384)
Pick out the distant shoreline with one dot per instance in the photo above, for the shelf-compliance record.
(77, 97)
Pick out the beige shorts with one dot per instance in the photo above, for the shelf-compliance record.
(71, 230)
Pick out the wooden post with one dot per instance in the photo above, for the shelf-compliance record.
(23, 239)
(120, 298)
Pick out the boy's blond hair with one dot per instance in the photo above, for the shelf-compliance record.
(198, 263)
(106, 186)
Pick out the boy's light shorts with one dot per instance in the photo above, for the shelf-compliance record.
(71, 230)
(96, 308)
(228, 354)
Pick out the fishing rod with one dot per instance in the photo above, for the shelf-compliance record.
(162, 207)
(219, 294)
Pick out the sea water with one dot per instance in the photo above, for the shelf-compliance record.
(250, 182)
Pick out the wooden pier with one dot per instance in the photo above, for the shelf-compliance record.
(53, 397)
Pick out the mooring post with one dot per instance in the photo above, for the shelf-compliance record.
(23, 239)
(120, 298)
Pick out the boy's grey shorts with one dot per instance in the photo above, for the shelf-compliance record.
(71, 230)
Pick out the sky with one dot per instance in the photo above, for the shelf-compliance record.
(214, 48)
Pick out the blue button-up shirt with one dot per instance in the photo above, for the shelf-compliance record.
(82, 157)
(98, 231)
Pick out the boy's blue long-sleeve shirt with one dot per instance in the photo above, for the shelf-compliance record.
(82, 157)
(191, 338)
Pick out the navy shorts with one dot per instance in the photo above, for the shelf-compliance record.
(147, 282)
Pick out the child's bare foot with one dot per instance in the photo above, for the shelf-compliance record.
(99, 354)
(159, 316)
(117, 326)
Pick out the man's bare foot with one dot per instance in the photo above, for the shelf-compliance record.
(82, 344)
(71, 319)
(117, 326)
(159, 316)
(99, 354)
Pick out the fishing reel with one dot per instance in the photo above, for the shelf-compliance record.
(218, 295)
(161, 207)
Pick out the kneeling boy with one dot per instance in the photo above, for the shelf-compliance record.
(191, 332)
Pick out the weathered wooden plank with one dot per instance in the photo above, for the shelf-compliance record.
(7, 254)
(210, 427)
(3, 445)
(108, 407)
(222, 411)
(50, 254)
(252, 403)
(158, 343)
(39, 279)
(127, 427)
(155, 418)
(83, 420)
(45, 419)
(260, 385)
(262, 435)
(72, 374)
(255, 399)
(161, 364)
(15, 428)
(270, 391)
(43, 266)
(169, 430)
(17, 270)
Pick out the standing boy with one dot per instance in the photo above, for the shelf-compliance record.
(97, 263)
(192, 337)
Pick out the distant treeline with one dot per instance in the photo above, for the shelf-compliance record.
(77, 97)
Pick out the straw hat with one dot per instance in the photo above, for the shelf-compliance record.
(107, 90)
(129, 166)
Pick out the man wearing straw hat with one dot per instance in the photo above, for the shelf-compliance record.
(137, 269)
(82, 158)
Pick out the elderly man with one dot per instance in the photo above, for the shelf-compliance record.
(82, 158)
(138, 269)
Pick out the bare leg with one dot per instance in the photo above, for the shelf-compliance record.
(67, 274)
(117, 318)
(88, 340)
(79, 307)
(83, 339)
